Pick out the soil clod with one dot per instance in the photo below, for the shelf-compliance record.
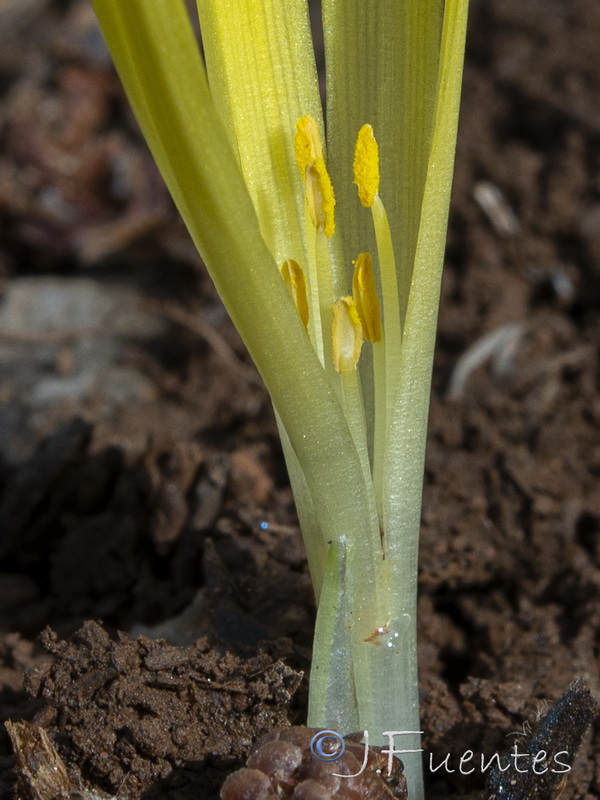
(135, 712)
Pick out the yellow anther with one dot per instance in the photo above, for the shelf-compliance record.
(320, 197)
(364, 294)
(294, 278)
(347, 335)
(366, 166)
(317, 183)
(307, 143)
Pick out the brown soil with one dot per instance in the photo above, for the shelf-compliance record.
(168, 512)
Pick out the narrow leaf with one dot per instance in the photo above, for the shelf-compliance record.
(262, 74)
(382, 69)
(156, 54)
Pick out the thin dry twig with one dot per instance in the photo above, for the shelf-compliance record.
(206, 331)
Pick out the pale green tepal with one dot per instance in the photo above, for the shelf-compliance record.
(240, 145)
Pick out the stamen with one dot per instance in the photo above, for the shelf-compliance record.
(295, 280)
(347, 335)
(385, 355)
(307, 143)
(364, 294)
(317, 183)
(320, 197)
(366, 166)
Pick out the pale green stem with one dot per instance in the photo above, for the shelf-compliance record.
(385, 374)
(354, 412)
(380, 424)
(405, 455)
(326, 299)
(392, 319)
(315, 322)
(332, 701)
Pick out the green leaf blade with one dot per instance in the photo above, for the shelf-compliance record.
(156, 54)
(263, 77)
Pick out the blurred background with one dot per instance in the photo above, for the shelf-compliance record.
(133, 426)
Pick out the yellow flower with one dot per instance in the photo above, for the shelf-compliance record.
(239, 139)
